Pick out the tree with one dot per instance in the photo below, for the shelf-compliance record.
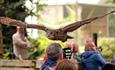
(108, 46)
(15, 9)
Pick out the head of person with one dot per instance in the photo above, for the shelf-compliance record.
(21, 29)
(54, 52)
(108, 66)
(90, 46)
(66, 65)
(74, 47)
(112, 61)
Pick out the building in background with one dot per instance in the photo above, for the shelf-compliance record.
(56, 11)
(101, 26)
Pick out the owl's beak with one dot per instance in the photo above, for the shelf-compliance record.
(69, 37)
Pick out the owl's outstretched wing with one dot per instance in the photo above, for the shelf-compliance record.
(13, 22)
(37, 26)
(76, 25)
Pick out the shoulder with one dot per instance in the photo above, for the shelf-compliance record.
(47, 68)
(97, 56)
(15, 35)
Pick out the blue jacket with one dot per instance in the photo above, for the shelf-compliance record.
(92, 60)
(48, 64)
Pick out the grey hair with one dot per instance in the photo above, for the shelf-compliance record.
(54, 51)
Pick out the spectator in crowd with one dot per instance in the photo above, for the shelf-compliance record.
(112, 61)
(66, 65)
(91, 58)
(55, 54)
(21, 45)
(108, 66)
(76, 56)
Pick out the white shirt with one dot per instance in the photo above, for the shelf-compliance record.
(20, 46)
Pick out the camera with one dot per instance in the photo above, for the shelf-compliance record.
(67, 53)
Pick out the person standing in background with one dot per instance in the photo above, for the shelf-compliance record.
(91, 58)
(21, 45)
(75, 54)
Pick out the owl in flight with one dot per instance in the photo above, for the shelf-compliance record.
(53, 34)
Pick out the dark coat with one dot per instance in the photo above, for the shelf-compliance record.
(48, 64)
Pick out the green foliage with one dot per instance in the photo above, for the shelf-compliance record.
(15, 9)
(36, 8)
(40, 45)
(108, 46)
(5, 55)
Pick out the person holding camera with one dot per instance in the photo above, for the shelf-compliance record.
(74, 50)
(75, 54)
(91, 58)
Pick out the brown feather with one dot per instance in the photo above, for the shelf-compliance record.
(53, 34)
(76, 25)
(6, 20)
(36, 26)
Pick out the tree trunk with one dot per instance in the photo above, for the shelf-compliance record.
(1, 43)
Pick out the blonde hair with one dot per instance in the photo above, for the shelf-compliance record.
(89, 45)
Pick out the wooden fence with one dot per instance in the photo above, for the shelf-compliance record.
(20, 64)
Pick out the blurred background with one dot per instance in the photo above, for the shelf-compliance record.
(56, 14)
